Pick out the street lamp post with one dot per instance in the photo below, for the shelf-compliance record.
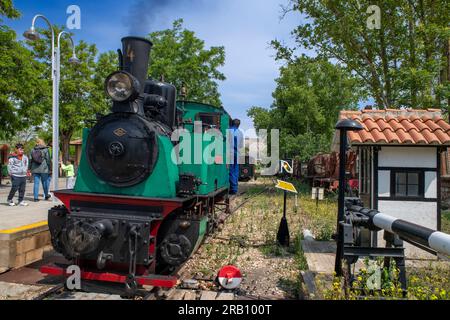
(32, 35)
(73, 60)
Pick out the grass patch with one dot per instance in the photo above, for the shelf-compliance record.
(300, 258)
(445, 221)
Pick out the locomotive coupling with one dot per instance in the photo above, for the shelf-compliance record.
(84, 237)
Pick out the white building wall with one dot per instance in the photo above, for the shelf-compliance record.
(430, 184)
(384, 183)
(420, 213)
(407, 157)
(423, 213)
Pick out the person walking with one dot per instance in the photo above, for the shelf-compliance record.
(70, 173)
(18, 170)
(40, 166)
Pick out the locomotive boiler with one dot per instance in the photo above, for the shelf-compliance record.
(135, 215)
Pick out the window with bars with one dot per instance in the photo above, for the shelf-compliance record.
(407, 184)
(365, 168)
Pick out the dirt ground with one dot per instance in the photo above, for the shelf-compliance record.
(248, 241)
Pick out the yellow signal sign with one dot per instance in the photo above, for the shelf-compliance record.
(286, 186)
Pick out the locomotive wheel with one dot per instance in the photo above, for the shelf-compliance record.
(175, 249)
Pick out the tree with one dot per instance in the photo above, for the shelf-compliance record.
(181, 58)
(310, 93)
(107, 63)
(81, 93)
(405, 62)
(22, 93)
(7, 9)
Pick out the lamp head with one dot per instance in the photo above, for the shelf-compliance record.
(74, 60)
(349, 125)
(31, 34)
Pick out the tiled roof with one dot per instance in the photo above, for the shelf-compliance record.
(404, 126)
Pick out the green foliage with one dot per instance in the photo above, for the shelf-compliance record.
(180, 57)
(318, 216)
(107, 63)
(23, 91)
(431, 283)
(7, 9)
(300, 257)
(310, 93)
(21, 95)
(404, 63)
(81, 93)
(445, 221)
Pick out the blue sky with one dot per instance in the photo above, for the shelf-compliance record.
(244, 27)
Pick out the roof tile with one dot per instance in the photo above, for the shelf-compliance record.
(431, 138)
(366, 136)
(396, 125)
(432, 125)
(371, 125)
(419, 124)
(383, 125)
(393, 126)
(407, 125)
(378, 136)
(353, 136)
(442, 135)
(404, 136)
(391, 137)
(417, 136)
(441, 123)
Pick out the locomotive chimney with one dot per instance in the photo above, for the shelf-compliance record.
(136, 55)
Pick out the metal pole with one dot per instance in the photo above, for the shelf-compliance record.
(56, 110)
(343, 126)
(341, 199)
(55, 57)
(54, 102)
(55, 140)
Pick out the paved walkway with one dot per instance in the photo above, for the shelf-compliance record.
(17, 216)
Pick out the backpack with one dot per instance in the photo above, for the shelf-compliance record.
(37, 156)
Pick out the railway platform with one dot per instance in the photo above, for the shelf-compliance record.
(24, 232)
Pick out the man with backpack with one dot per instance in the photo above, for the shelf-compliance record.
(40, 166)
(18, 170)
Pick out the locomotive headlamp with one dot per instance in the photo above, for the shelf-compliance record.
(122, 86)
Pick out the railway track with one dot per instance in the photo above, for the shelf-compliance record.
(52, 291)
(60, 292)
(184, 274)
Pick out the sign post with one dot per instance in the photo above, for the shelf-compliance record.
(283, 229)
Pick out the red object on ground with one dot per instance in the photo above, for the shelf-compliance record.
(229, 277)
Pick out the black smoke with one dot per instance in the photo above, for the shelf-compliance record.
(143, 15)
